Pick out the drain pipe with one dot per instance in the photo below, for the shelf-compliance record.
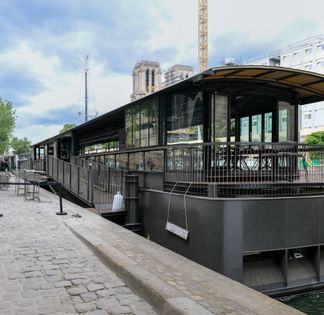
(131, 203)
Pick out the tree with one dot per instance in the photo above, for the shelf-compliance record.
(20, 146)
(7, 124)
(67, 127)
(315, 138)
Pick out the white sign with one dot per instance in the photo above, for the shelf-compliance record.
(177, 230)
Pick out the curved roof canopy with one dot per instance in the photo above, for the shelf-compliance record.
(309, 86)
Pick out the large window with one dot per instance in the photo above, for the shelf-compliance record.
(268, 127)
(286, 119)
(256, 134)
(142, 124)
(244, 129)
(185, 118)
(219, 110)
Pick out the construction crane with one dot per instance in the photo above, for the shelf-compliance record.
(203, 34)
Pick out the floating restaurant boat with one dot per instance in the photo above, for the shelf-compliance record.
(224, 180)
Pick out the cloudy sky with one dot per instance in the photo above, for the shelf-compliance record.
(42, 44)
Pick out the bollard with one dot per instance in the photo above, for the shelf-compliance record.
(131, 203)
(61, 212)
(50, 184)
(131, 199)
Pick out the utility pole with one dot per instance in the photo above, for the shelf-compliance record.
(203, 34)
(86, 70)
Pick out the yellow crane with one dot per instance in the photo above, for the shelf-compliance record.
(203, 34)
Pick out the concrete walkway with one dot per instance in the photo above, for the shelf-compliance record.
(46, 269)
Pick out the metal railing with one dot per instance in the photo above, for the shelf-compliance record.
(213, 169)
(95, 186)
(247, 169)
(30, 164)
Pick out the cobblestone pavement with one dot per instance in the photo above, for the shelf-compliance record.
(45, 269)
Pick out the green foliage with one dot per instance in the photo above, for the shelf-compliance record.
(20, 146)
(67, 127)
(315, 138)
(7, 124)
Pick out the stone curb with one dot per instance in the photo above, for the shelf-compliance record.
(161, 295)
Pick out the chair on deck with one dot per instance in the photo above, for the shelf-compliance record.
(19, 182)
(32, 190)
(4, 181)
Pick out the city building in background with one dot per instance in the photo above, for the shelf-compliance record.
(177, 73)
(147, 77)
(306, 55)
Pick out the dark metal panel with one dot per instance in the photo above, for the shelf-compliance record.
(283, 223)
(302, 222)
(233, 232)
(264, 224)
(205, 217)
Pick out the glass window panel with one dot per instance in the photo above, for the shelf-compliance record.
(136, 161)
(256, 121)
(137, 125)
(268, 127)
(129, 127)
(144, 124)
(154, 119)
(110, 161)
(219, 116)
(121, 161)
(244, 129)
(286, 122)
(154, 161)
(185, 118)
(233, 130)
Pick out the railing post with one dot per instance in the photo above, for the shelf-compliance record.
(63, 172)
(70, 176)
(61, 212)
(78, 177)
(57, 169)
(88, 186)
(131, 199)
(92, 174)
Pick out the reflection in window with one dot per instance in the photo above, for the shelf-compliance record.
(129, 126)
(122, 161)
(154, 161)
(142, 124)
(110, 161)
(185, 118)
(136, 161)
(244, 129)
(256, 128)
(286, 122)
(110, 146)
(233, 130)
(219, 118)
(268, 127)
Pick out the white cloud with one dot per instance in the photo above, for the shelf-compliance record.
(172, 30)
(36, 132)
